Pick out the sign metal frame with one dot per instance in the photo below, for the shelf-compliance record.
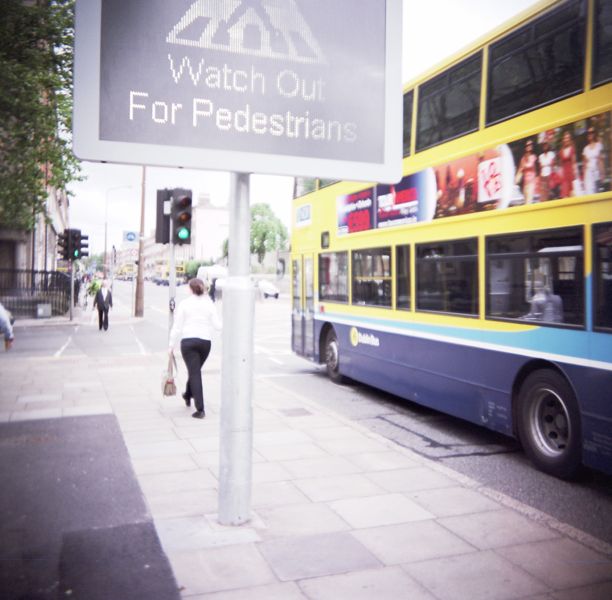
(89, 146)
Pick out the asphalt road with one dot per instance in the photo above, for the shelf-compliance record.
(489, 458)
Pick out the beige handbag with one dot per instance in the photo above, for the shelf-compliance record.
(168, 384)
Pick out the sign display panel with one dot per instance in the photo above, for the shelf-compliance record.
(299, 87)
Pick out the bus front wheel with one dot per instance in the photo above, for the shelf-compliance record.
(332, 357)
(549, 423)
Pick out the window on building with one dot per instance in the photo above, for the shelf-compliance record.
(537, 64)
(602, 46)
(602, 271)
(408, 102)
(402, 277)
(325, 182)
(303, 186)
(447, 277)
(449, 104)
(536, 276)
(372, 276)
(333, 276)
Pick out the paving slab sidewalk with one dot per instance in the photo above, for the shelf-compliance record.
(337, 511)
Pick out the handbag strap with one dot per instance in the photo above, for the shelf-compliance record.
(171, 364)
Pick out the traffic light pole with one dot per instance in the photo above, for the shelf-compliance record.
(236, 439)
(171, 283)
(139, 300)
(71, 287)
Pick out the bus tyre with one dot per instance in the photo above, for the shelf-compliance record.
(332, 357)
(549, 424)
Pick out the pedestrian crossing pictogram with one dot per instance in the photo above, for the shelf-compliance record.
(267, 28)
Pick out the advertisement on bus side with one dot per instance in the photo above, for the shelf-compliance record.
(561, 162)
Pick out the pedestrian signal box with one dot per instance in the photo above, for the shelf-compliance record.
(162, 223)
(181, 216)
(75, 244)
(63, 245)
(72, 244)
(83, 245)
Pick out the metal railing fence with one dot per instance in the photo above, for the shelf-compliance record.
(22, 291)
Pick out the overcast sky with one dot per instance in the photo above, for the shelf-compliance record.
(433, 29)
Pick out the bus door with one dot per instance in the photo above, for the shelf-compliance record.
(302, 314)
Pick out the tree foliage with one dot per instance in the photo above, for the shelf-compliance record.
(267, 231)
(192, 266)
(36, 63)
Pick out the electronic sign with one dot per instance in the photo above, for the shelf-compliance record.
(296, 87)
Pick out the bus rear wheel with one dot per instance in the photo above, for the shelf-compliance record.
(549, 424)
(332, 357)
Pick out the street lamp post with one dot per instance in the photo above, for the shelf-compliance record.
(139, 300)
(108, 191)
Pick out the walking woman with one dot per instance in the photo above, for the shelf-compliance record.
(194, 321)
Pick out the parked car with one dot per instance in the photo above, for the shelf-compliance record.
(267, 289)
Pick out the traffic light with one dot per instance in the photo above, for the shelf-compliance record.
(181, 216)
(74, 244)
(63, 242)
(84, 245)
(162, 225)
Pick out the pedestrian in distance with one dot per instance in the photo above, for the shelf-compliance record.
(103, 301)
(6, 327)
(194, 321)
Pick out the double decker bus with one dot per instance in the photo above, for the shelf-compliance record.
(480, 284)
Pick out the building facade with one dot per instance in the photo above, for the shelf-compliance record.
(37, 249)
(209, 229)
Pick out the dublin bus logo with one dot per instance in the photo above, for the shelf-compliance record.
(267, 28)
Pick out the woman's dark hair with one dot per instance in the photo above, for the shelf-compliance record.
(197, 286)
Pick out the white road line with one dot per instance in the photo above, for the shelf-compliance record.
(277, 375)
(141, 347)
(61, 350)
(275, 360)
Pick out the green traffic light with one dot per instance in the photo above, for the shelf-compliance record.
(183, 233)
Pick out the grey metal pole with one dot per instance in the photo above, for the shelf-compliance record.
(236, 440)
(139, 301)
(104, 266)
(71, 287)
(171, 281)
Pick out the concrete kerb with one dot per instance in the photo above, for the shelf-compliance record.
(531, 513)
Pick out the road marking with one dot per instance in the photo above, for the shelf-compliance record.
(276, 360)
(276, 375)
(61, 350)
(143, 350)
(271, 351)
